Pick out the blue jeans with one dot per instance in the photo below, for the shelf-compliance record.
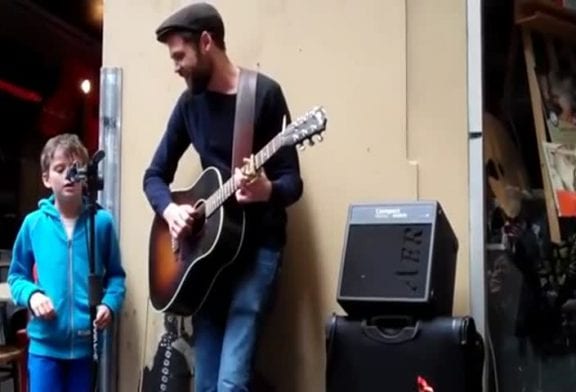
(227, 327)
(58, 375)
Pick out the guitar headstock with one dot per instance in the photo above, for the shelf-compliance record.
(308, 127)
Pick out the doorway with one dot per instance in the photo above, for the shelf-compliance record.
(529, 163)
(51, 55)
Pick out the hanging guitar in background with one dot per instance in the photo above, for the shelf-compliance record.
(182, 272)
(506, 175)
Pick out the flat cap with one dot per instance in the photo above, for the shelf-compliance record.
(196, 17)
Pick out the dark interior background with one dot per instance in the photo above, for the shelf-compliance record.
(47, 48)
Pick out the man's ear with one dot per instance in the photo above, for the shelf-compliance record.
(205, 42)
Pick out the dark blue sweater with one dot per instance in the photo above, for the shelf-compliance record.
(207, 122)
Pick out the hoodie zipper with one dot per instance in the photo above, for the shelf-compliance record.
(48, 206)
(71, 296)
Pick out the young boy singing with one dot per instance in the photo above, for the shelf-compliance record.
(53, 241)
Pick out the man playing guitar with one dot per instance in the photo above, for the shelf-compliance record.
(228, 324)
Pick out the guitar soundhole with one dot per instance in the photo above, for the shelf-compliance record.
(196, 231)
(199, 218)
(493, 170)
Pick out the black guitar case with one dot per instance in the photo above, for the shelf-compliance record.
(170, 370)
(390, 354)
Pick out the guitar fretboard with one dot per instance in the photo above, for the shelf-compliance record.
(227, 189)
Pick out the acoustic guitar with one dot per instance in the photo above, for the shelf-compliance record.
(182, 272)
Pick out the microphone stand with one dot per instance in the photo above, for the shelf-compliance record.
(94, 183)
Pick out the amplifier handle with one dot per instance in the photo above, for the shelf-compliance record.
(330, 333)
(382, 334)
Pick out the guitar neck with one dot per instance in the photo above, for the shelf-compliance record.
(227, 189)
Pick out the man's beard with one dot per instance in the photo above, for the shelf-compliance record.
(198, 80)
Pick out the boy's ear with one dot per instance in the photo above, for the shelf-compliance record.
(45, 180)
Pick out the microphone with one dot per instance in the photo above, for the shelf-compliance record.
(97, 157)
(72, 174)
(78, 173)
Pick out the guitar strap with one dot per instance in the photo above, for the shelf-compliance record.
(244, 117)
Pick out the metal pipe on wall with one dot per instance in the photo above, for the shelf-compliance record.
(110, 141)
(476, 169)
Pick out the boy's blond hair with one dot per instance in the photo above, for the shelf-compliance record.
(70, 145)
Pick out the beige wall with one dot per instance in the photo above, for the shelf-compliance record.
(392, 76)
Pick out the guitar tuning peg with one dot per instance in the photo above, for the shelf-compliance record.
(301, 146)
(319, 138)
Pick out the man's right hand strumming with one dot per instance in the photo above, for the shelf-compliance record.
(179, 218)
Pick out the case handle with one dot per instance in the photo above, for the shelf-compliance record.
(375, 331)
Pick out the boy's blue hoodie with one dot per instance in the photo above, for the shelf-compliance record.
(62, 270)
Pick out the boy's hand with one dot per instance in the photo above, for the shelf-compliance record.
(103, 316)
(42, 306)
